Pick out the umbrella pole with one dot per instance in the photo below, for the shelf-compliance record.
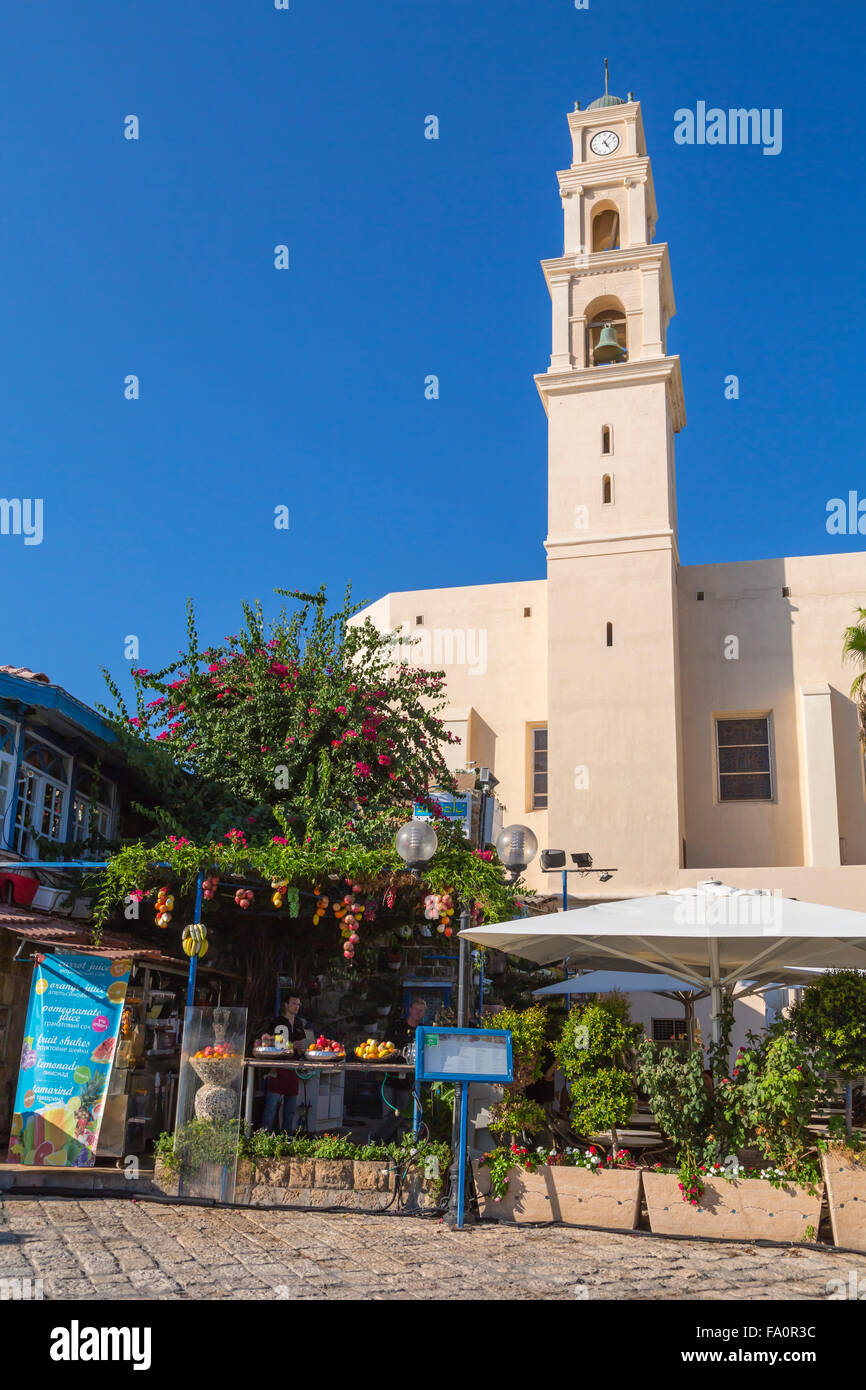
(715, 992)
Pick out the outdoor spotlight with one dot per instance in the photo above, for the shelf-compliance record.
(486, 778)
(516, 846)
(582, 861)
(553, 859)
(605, 878)
(416, 843)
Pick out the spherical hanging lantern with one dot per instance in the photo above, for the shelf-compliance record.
(416, 843)
(516, 846)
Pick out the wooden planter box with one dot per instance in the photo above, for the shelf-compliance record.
(845, 1179)
(576, 1196)
(744, 1209)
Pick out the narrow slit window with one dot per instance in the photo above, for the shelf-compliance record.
(538, 768)
(607, 489)
(606, 440)
(610, 634)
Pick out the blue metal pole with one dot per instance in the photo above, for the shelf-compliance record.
(416, 1093)
(565, 890)
(193, 960)
(461, 1171)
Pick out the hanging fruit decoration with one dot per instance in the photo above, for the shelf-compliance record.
(390, 898)
(280, 888)
(209, 886)
(163, 908)
(195, 940)
(439, 908)
(244, 897)
(349, 914)
(321, 909)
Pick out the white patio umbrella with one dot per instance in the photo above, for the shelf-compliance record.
(629, 982)
(710, 936)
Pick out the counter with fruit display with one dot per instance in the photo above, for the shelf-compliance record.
(321, 1071)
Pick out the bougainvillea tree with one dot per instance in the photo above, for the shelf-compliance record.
(290, 753)
(310, 724)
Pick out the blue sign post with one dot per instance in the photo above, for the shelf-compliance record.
(463, 1055)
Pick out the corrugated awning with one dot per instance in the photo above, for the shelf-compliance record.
(43, 930)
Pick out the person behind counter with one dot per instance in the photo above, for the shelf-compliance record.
(281, 1083)
(397, 1090)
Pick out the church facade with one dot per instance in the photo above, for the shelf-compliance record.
(676, 722)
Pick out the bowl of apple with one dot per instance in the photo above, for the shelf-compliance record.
(217, 1063)
(325, 1050)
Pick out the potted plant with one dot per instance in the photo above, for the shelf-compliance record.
(583, 1186)
(831, 1019)
(766, 1102)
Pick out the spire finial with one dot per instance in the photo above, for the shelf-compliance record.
(605, 77)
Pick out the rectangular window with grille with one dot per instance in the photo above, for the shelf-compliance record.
(669, 1030)
(537, 799)
(743, 758)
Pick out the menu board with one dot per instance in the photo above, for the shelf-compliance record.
(464, 1054)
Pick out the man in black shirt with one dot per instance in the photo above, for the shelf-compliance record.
(397, 1090)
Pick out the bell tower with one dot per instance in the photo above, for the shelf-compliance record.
(614, 402)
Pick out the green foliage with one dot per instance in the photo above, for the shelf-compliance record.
(683, 1107)
(501, 1161)
(437, 1109)
(854, 651)
(196, 1143)
(832, 1016)
(594, 1053)
(432, 1157)
(769, 1098)
(528, 1028)
(517, 1114)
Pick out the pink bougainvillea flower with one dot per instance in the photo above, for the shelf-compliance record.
(384, 760)
(361, 769)
(341, 709)
(279, 840)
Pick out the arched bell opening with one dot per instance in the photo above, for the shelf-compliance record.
(606, 337)
(605, 229)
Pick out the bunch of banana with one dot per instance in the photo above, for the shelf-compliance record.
(195, 940)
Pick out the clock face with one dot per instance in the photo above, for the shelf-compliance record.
(604, 142)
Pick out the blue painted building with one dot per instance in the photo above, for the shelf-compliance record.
(60, 769)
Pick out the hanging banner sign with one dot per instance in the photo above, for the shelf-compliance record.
(455, 808)
(70, 1035)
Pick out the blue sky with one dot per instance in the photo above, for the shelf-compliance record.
(408, 257)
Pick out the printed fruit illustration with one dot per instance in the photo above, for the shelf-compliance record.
(28, 1055)
(104, 1051)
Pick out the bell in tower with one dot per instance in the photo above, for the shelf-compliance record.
(607, 349)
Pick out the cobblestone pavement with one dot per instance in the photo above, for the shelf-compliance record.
(117, 1249)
